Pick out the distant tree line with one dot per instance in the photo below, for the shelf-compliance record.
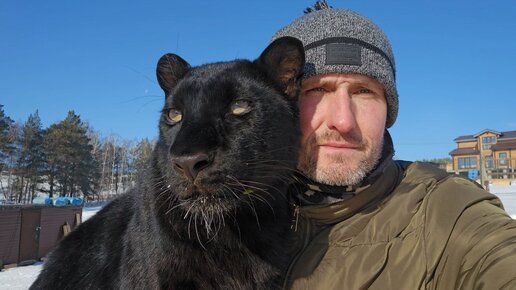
(443, 160)
(68, 158)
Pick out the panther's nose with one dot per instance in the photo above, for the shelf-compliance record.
(191, 165)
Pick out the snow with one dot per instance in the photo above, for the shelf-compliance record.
(497, 189)
(508, 199)
(88, 212)
(19, 278)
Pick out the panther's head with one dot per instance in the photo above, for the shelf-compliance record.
(229, 130)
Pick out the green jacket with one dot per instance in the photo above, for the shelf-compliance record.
(433, 231)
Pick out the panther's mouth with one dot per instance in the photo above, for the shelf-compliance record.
(202, 194)
(205, 200)
(196, 199)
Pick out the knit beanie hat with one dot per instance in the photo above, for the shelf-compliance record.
(342, 41)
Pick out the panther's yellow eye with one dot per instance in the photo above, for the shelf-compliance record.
(240, 107)
(174, 116)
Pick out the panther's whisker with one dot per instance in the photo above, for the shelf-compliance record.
(197, 232)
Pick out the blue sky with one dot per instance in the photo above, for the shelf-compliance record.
(456, 62)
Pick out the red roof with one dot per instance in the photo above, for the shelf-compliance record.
(507, 135)
(504, 145)
(503, 136)
(464, 151)
(464, 138)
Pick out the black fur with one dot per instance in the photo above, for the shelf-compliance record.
(212, 212)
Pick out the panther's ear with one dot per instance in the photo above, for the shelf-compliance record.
(283, 61)
(171, 68)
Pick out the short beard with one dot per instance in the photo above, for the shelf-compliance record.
(341, 171)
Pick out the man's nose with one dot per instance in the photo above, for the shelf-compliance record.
(341, 111)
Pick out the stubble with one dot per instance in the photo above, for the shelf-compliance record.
(339, 169)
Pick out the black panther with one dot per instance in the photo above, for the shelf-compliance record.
(211, 212)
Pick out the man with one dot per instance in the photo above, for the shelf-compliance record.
(362, 220)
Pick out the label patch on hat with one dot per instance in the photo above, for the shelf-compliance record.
(343, 53)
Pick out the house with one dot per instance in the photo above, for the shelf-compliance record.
(490, 153)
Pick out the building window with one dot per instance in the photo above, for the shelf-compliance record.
(467, 162)
(487, 142)
(489, 162)
(503, 159)
(490, 139)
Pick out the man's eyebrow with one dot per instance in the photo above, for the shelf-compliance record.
(368, 84)
(364, 84)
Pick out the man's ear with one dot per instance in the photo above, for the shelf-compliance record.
(283, 61)
(171, 68)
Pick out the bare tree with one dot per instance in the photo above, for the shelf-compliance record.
(11, 156)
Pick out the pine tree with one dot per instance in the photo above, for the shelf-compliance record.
(6, 150)
(31, 162)
(5, 143)
(71, 164)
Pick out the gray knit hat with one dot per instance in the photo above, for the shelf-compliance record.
(342, 41)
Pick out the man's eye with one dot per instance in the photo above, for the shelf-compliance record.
(174, 116)
(314, 91)
(363, 91)
(318, 89)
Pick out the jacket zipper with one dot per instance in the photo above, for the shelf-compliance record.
(306, 240)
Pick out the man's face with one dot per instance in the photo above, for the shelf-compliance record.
(342, 124)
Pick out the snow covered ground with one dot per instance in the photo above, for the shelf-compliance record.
(22, 277)
(88, 212)
(509, 202)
